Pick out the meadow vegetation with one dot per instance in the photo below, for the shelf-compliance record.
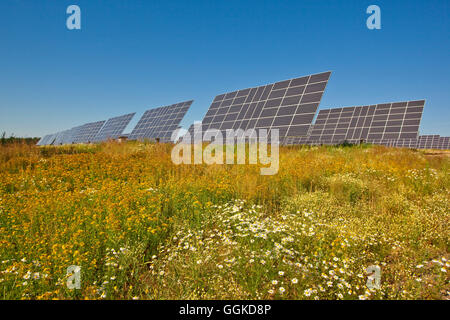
(141, 227)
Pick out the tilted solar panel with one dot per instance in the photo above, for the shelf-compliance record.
(66, 136)
(94, 129)
(50, 139)
(88, 131)
(389, 121)
(288, 106)
(43, 140)
(78, 137)
(113, 128)
(160, 123)
(60, 138)
(71, 135)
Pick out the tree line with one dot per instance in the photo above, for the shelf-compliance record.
(12, 139)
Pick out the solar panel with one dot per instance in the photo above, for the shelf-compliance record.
(88, 131)
(113, 128)
(70, 136)
(67, 136)
(288, 106)
(42, 141)
(389, 121)
(50, 139)
(160, 123)
(59, 138)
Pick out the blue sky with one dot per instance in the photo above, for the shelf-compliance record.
(134, 55)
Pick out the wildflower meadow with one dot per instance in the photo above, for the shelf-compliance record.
(141, 227)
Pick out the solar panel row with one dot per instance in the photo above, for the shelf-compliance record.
(156, 123)
(423, 142)
(88, 132)
(288, 106)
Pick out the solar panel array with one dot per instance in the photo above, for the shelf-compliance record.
(390, 121)
(89, 132)
(289, 106)
(155, 123)
(160, 123)
(113, 128)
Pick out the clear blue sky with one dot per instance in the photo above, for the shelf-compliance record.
(135, 55)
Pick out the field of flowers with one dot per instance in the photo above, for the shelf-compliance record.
(141, 227)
